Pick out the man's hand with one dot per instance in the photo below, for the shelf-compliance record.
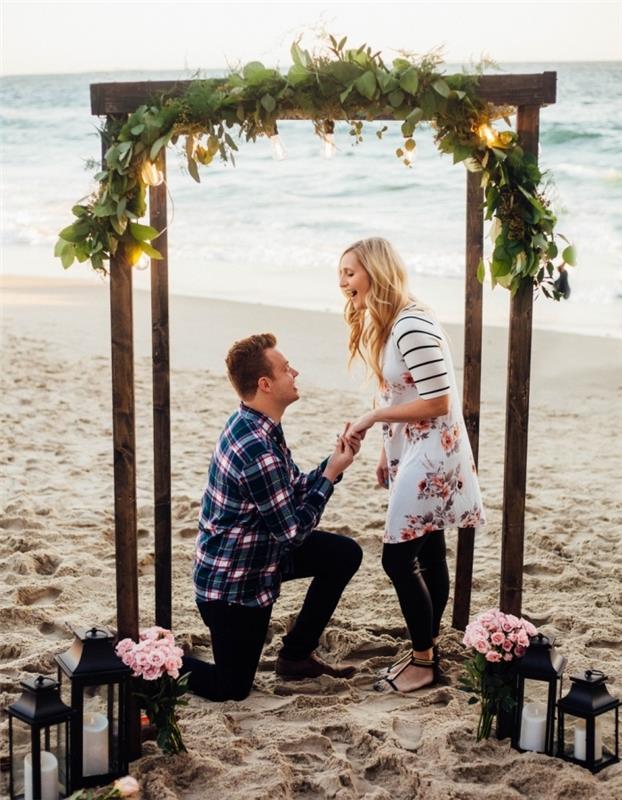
(339, 461)
(382, 470)
(355, 439)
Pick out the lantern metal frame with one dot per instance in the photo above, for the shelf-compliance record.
(542, 663)
(589, 699)
(92, 662)
(40, 707)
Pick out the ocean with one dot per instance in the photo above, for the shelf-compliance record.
(271, 232)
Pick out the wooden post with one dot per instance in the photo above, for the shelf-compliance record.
(124, 452)
(517, 412)
(161, 405)
(471, 389)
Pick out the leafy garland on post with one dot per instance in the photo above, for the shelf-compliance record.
(342, 84)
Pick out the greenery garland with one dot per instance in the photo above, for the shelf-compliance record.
(349, 84)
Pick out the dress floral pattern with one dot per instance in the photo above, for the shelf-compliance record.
(432, 477)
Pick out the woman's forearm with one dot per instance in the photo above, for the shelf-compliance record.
(415, 410)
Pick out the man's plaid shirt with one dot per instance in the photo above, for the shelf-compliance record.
(257, 505)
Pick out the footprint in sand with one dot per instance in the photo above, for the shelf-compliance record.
(407, 732)
(188, 533)
(37, 596)
(52, 630)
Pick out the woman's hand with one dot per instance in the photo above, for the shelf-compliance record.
(382, 470)
(361, 425)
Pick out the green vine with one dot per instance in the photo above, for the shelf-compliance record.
(340, 84)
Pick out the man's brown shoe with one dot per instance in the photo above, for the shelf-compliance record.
(311, 667)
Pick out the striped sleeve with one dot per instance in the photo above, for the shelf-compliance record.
(419, 343)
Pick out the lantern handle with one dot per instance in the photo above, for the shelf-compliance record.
(597, 673)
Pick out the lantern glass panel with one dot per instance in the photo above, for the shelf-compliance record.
(100, 741)
(21, 747)
(52, 760)
(575, 741)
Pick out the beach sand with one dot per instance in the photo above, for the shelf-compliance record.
(315, 739)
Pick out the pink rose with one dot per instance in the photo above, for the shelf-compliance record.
(481, 645)
(127, 786)
(497, 638)
(522, 639)
(507, 656)
(507, 645)
(493, 656)
(519, 651)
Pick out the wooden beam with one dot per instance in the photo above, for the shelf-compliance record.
(161, 405)
(517, 413)
(514, 90)
(471, 390)
(124, 457)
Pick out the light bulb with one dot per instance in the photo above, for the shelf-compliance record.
(278, 151)
(328, 145)
(143, 263)
(486, 132)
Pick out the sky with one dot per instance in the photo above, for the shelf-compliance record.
(65, 37)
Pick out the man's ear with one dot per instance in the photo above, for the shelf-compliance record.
(264, 384)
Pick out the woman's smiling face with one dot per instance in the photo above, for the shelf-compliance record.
(353, 280)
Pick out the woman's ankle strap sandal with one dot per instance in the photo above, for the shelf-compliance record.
(428, 663)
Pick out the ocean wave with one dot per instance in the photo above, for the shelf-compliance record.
(562, 135)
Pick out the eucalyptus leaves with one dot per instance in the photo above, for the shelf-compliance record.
(339, 84)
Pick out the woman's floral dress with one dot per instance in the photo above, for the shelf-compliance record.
(432, 478)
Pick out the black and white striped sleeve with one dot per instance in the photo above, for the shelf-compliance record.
(419, 343)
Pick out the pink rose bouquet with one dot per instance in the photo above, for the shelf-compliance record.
(497, 640)
(155, 661)
(122, 787)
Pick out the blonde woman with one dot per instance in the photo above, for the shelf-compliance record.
(426, 460)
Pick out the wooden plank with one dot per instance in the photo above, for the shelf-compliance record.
(122, 98)
(161, 406)
(517, 414)
(124, 453)
(471, 391)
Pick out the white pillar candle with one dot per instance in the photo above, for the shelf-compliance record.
(533, 727)
(580, 746)
(94, 744)
(49, 776)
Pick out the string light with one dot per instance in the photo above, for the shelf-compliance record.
(487, 133)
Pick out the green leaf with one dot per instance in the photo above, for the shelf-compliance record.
(569, 254)
(341, 44)
(268, 102)
(481, 271)
(400, 64)
(67, 256)
(157, 146)
(138, 129)
(409, 81)
(254, 68)
(151, 251)
(441, 87)
(75, 232)
(461, 152)
(298, 74)
(396, 98)
(142, 233)
(79, 211)
(366, 84)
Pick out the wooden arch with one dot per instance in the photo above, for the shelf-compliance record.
(528, 93)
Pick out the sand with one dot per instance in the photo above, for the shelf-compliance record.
(314, 739)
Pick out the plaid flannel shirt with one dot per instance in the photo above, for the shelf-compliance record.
(257, 505)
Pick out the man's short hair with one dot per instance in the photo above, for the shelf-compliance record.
(247, 363)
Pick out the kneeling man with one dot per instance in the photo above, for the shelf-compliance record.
(258, 528)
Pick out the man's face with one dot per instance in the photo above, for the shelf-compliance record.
(283, 380)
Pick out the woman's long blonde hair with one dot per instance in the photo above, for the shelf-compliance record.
(387, 296)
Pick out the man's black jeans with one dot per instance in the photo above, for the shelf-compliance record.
(238, 632)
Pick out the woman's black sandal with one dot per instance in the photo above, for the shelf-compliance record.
(385, 681)
(436, 657)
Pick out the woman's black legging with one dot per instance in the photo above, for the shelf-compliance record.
(418, 571)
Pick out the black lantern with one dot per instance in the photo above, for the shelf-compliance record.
(39, 742)
(538, 690)
(588, 718)
(95, 682)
